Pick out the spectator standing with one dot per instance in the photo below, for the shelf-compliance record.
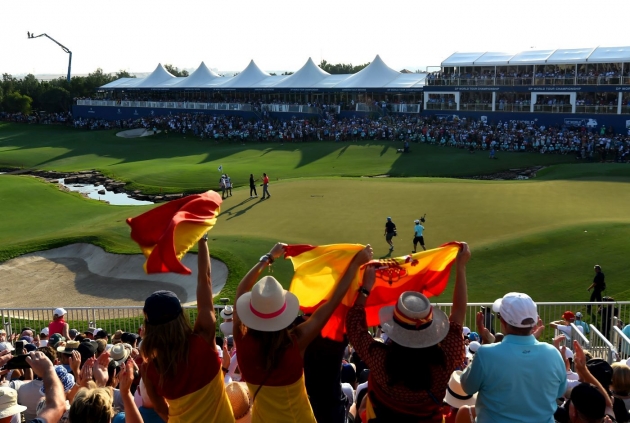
(59, 325)
(409, 375)
(265, 180)
(390, 232)
(418, 230)
(579, 322)
(182, 374)
(519, 379)
(270, 355)
(222, 185)
(598, 286)
(43, 337)
(226, 314)
(252, 186)
(564, 325)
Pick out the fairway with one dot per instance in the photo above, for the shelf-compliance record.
(175, 163)
(541, 237)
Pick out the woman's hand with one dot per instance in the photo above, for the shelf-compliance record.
(463, 255)
(369, 277)
(278, 250)
(364, 256)
(125, 377)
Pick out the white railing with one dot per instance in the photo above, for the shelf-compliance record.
(291, 108)
(601, 347)
(363, 107)
(244, 107)
(130, 318)
(404, 108)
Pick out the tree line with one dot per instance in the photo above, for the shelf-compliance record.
(29, 94)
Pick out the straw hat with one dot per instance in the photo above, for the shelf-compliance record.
(241, 401)
(455, 395)
(227, 312)
(413, 322)
(268, 307)
(119, 354)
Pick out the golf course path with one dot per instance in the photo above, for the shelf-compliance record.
(83, 274)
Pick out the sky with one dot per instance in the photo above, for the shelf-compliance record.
(136, 35)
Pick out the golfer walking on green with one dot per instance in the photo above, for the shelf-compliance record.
(390, 232)
(265, 186)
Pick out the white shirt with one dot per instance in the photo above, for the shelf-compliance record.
(226, 328)
(43, 343)
(28, 396)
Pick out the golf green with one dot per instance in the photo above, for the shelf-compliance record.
(541, 237)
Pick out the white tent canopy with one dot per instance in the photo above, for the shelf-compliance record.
(461, 59)
(531, 57)
(251, 75)
(308, 75)
(493, 59)
(569, 55)
(198, 79)
(610, 55)
(375, 75)
(157, 77)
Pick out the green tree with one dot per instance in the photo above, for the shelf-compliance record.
(341, 68)
(287, 73)
(174, 70)
(17, 103)
(123, 74)
(55, 99)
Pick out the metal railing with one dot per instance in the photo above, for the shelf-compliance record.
(609, 109)
(441, 105)
(477, 107)
(513, 107)
(553, 108)
(291, 108)
(601, 347)
(459, 80)
(621, 342)
(244, 107)
(404, 108)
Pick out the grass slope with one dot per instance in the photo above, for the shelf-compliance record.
(176, 163)
(527, 235)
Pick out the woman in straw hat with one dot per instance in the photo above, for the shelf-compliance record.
(270, 355)
(462, 405)
(182, 369)
(409, 375)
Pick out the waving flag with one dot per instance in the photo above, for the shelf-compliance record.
(319, 269)
(167, 232)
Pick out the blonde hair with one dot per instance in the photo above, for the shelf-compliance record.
(92, 405)
(166, 345)
(621, 379)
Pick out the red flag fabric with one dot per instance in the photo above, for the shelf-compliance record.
(167, 232)
(319, 269)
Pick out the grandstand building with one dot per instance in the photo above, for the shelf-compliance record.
(579, 87)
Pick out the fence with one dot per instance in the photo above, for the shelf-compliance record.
(291, 108)
(244, 107)
(404, 108)
(605, 337)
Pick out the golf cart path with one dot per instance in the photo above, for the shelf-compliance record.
(84, 274)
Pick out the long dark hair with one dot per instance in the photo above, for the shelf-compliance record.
(411, 367)
(272, 345)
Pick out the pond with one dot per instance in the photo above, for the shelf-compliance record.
(109, 196)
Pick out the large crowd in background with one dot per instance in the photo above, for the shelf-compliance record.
(267, 362)
(585, 143)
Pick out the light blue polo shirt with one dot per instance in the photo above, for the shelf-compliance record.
(518, 380)
(419, 229)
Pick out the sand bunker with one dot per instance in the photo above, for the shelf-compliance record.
(135, 133)
(85, 275)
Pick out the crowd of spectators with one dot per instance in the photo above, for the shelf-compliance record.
(267, 363)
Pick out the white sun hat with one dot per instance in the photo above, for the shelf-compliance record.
(455, 395)
(227, 312)
(413, 322)
(268, 307)
(8, 402)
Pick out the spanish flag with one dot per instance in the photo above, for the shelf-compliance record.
(167, 232)
(319, 269)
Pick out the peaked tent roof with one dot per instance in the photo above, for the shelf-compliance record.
(569, 55)
(461, 59)
(116, 83)
(375, 75)
(493, 59)
(408, 80)
(610, 55)
(198, 79)
(250, 76)
(531, 57)
(308, 75)
(158, 76)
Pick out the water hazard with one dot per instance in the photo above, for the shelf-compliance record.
(111, 197)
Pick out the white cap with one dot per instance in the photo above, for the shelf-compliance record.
(474, 346)
(568, 354)
(44, 331)
(516, 309)
(416, 221)
(96, 331)
(6, 346)
(60, 312)
(466, 331)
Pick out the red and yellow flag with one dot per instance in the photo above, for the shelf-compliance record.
(319, 269)
(167, 232)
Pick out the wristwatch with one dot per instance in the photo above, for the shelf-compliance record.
(364, 291)
(268, 258)
(205, 236)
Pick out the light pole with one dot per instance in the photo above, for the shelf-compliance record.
(64, 48)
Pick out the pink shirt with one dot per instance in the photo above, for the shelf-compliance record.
(56, 326)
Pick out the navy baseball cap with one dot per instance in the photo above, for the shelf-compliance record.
(389, 218)
(162, 307)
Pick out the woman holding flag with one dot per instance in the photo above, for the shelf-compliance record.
(271, 354)
(409, 374)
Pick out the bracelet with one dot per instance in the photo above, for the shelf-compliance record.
(205, 236)
(364, 291)
(225, 370)
(268, 258)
